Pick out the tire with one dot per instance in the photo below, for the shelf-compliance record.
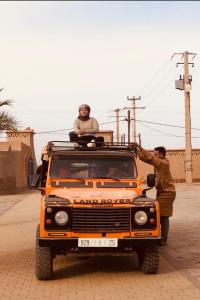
(44, 261)
(140, 255)
(150, 261)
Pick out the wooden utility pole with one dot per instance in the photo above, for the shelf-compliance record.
(117, 110)
(188, 144)
(117, 123)
(129, 123)
(133, 99)
(140, 140)
(123, 138)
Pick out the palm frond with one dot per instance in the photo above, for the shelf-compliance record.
(7, 102)
(7, 122)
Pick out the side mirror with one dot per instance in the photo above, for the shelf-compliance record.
(151, 179)
(36, 180)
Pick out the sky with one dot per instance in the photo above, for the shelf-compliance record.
(56, 55)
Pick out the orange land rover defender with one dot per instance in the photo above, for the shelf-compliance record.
(93, 201)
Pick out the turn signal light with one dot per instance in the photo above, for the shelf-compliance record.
(48, 221)
(152, 221)
(49, 209)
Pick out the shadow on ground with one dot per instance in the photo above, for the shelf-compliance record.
(86, 265)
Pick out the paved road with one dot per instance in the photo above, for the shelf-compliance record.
(102, 277)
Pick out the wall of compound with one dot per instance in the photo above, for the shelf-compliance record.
(13, 167)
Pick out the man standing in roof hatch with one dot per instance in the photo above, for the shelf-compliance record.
(85, 128)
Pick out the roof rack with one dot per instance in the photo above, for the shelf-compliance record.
(57, 146)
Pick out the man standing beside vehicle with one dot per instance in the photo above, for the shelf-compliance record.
(166, 192)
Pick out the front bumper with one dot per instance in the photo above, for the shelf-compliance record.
(125, 243)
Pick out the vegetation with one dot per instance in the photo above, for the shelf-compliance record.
(7, 122)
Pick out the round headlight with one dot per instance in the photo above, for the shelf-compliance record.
(61, 217)
(140, 217)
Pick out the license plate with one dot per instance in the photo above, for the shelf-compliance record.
(97, 242)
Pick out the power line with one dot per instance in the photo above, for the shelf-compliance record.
(161, 80)
(164, 124)
(123, 120)
(111, 122)
(155, 95)
(155, 74)
(166, 133)
(66, 129)
(53, 131)
(170, 134)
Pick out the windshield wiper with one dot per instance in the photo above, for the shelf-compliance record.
(106, 177)
(71, 178)
(80, 179)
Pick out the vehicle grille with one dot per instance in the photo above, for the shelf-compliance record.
(101, 219)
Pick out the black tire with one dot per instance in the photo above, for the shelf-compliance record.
(140, 255)
(150, 261)
(44, 261)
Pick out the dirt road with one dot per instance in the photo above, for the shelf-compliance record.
(99, 277)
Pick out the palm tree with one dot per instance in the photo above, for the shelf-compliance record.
(7, 122)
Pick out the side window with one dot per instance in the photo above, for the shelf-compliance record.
(44, 170)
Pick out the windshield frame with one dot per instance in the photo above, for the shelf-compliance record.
(104, 161)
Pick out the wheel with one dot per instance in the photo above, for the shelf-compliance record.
(140, 254)
(44, 261)
(150, 260)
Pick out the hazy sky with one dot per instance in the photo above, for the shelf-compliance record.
(57, 55)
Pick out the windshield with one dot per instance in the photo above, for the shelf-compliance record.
(116, 167)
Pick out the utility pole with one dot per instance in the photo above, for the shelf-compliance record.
(133, 99)
(187, 87)
(117, 123)
(123, 138)
(140, 140)
(129, 123)
(117, 110)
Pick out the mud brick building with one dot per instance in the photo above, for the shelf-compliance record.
(17, 161)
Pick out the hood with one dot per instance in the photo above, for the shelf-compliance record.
(91, 196)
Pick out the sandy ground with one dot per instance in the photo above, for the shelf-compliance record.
(100, 277)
